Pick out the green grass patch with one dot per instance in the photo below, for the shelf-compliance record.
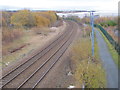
(112, 50)
(109, 23)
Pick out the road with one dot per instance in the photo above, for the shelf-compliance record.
(30, 73)
(108, 63)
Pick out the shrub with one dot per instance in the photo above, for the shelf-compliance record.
(81, 50)
(86, 20)
(87, 31)
(111, 23)
(90, 74)
(107, 21)
(88, 69)
(9, 35)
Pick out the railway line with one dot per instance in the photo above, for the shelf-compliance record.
(30, 73)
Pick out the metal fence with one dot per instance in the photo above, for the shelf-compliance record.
(111, 40)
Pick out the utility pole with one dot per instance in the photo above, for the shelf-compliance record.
(92, 25)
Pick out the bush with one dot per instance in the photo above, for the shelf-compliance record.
(81, 50)
(86, 20)
(88, 69)
(90, 74)
(87, 31)
(9, 35)
(107, 21)
(111, 23)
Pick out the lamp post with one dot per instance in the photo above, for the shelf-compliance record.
(92, 25)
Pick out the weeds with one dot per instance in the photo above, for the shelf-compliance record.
(87, 31)
(89, 69)
(90, 74)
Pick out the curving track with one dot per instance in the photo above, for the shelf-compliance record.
(30, 73)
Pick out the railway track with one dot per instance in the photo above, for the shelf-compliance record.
(30, 73)
(40, 53)
(22, 67)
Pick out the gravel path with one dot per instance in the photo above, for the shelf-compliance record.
(108, 63)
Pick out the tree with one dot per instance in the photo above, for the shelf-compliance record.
(23, 18)
(41, 21)
(6, 18)
(49, 15)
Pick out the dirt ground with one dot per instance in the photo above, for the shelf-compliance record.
(34, 42)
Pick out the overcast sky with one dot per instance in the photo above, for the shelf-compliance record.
(99, 5)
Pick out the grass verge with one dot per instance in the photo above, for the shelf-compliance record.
(112, 51)
(89, 71)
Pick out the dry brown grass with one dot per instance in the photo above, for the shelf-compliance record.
(87, 31)
(33, 40)
(89, 69)
(81, 50)
(9, 35)
(41, 31)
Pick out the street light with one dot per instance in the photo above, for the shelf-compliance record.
(92, 25)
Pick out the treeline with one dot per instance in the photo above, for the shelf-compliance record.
(77, 19)
(15, 23)
(27, 18)
(107, 21)
(103, 21)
